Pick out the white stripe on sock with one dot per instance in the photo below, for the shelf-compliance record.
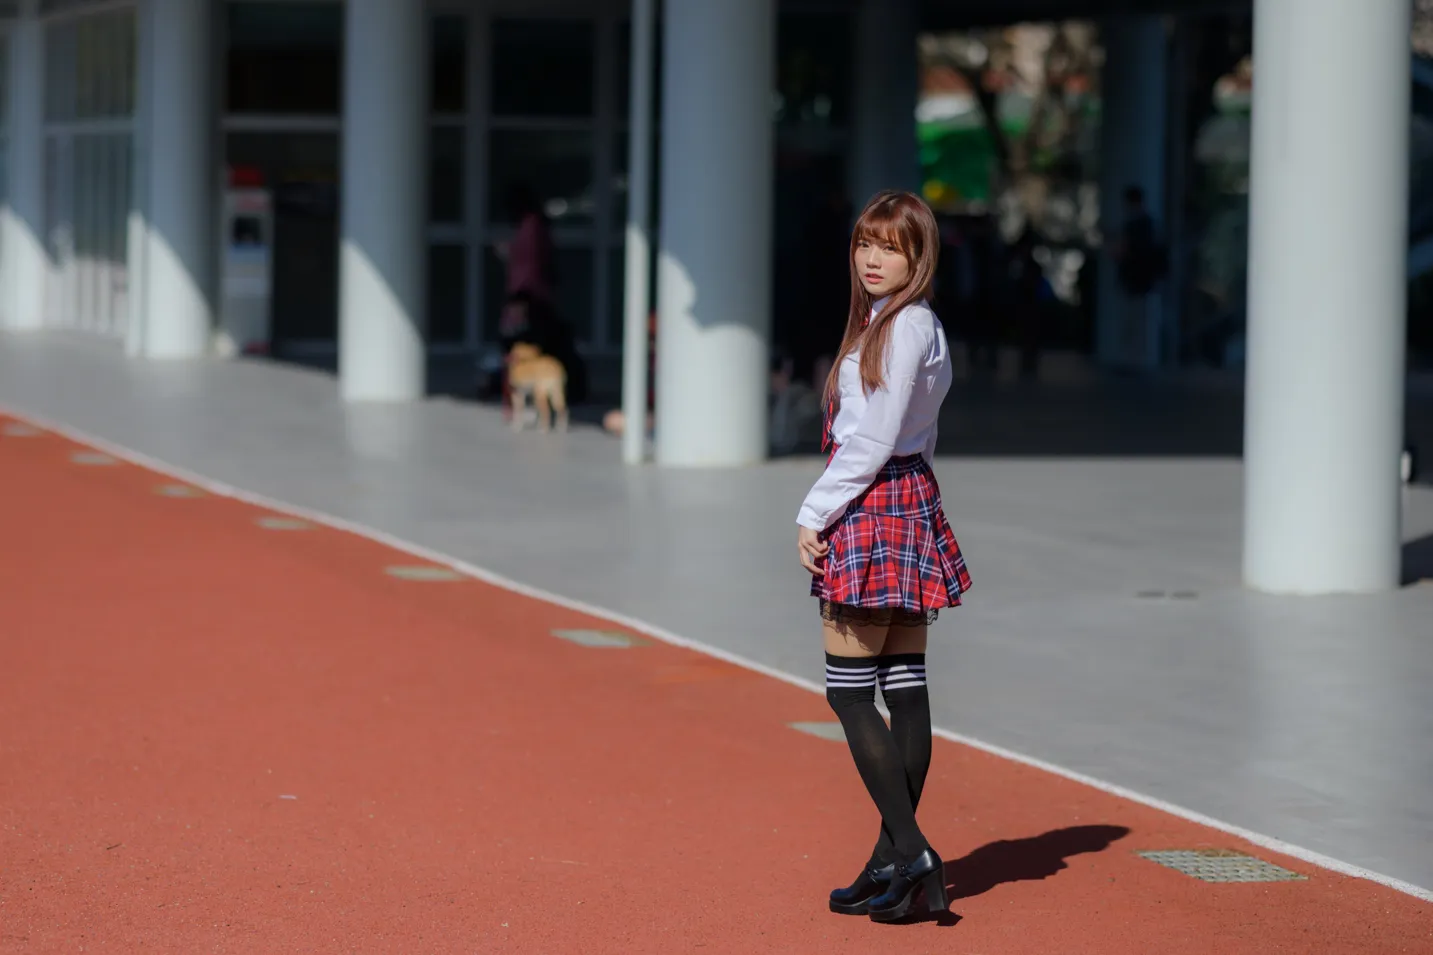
(916, 668)
(908, 685)
(850, 678)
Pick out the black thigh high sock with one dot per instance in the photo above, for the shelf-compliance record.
(903, 686)
(851, 691)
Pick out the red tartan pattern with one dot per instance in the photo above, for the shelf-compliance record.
(893, 547)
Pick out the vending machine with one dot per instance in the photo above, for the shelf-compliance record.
(246, 269)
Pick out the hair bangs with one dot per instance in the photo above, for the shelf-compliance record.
(882, 225)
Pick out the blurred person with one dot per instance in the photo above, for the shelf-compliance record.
(530, 266)
(1029, 291)
(981, 320)
(1141, 262)
(531, 273)
(1140, 257)
(882, 557)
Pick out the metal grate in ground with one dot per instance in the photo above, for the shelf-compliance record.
(831, 731)
(178, 490)
(598, 638)
(424, 573)
(1221, 865)
(283, 524)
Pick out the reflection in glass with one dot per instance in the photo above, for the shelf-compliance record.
(557, 164)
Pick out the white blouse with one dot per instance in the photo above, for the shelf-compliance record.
(894, 421)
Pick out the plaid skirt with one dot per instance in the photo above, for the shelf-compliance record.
(893, 548)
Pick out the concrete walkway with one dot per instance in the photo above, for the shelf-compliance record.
(1107, 633)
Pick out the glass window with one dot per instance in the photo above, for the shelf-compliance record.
(285, 58)
(445, 181)
(90, 66)
(494, 291)
(813, 69)
(103, 84)
(574, 291)
(543, 68)
(88, 81)
(447, 293)
(616, 294)
(302, 169)
(450, 63)
(60, 71)
(4, 82)
(556, 164)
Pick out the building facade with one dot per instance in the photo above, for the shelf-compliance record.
(178, 170)
(516, 91)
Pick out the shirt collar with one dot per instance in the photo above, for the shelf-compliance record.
(879, 304)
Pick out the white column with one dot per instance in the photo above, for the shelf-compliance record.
(137, 245)
(639, 226)
(25, 265)
(382, 251)
(1325, 386)
(714, 266)
(178, 284)
(885, 153)
(1132, 153)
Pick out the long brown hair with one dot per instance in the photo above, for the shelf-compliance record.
(906, 222)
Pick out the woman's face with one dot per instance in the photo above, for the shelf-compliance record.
(883, 268)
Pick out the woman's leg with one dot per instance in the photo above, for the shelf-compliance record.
(851, 673)
(901, 674)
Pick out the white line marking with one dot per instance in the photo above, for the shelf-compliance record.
(536, 593)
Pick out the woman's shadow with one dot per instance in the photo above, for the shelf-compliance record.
(1021, 860)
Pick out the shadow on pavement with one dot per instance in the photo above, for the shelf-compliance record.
(1017, 860)
(1025, 860)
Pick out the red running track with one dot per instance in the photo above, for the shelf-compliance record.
(222, 738)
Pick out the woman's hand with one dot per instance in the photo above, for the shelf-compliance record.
(812, 549)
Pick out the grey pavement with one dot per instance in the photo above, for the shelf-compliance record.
(1107, 631)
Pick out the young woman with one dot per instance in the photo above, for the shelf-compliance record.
(882, 556)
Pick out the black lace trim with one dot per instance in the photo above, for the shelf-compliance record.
(851, 616)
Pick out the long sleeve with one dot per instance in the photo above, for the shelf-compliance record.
(861, 456)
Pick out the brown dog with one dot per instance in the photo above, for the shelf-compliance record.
(531, 374)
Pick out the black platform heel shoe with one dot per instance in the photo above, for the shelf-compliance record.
(922, 878)
(853, 898)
